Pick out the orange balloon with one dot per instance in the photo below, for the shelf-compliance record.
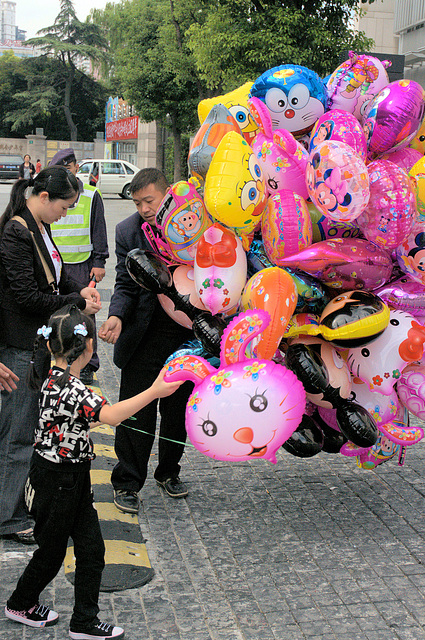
(274, 291)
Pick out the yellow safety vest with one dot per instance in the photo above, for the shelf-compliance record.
(72, 233)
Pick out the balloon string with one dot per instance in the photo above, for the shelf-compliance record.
(122, 424)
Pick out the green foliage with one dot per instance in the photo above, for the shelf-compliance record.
(68, 42)
(241, 39)
(31, 92)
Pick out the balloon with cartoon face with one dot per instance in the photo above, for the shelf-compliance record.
(381, 362)
(235, 189)
(411, 252)
(389, 215)
(356, 82)
(351, 319)
(417, 173)
(246, 409)
(182, 219)
(237, 103)
(337, 181)
(382, 408)
(294, 95)
(342, 126)
(282, 158)
(220, 269)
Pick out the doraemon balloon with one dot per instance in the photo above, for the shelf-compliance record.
(235, 189)
(381, 362)
(237, 103)
(246, 409)
(355, 82)
(294, 95)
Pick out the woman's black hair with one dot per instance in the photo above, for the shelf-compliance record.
(57, 181)
(64, 341)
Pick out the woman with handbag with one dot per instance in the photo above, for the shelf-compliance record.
(34, 284)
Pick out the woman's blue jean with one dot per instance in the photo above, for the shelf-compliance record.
(18, 420)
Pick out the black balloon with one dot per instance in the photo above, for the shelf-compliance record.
(355, 422)
(332, 439)
(306, 441)
(209, 329)
(148, 270)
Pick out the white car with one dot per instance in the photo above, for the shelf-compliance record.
(113, 176)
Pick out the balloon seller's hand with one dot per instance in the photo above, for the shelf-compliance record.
(98, 272)
(161, 388)
(7, 378)
(110, 330)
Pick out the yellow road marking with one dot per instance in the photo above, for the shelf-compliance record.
(117, 552)
(100, 476)
(108, 511)
(104, 450)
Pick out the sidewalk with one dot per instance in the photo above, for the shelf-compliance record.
(307, 549)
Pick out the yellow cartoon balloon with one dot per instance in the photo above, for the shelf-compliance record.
(237, 103)
(235, 189)
(418, 141)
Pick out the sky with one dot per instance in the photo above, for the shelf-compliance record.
(32, 15)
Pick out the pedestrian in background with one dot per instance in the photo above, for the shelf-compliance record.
(82, 238)
(26, 169)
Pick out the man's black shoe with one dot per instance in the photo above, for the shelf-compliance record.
(174, 487)
(126, 501)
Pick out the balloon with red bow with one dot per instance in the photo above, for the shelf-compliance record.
(220, 269)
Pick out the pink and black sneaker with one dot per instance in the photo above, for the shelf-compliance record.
(38, 616)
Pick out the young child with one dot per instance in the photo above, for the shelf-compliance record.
(58, 491)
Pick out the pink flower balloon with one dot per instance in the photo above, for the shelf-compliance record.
(389, 216)
(285, 226)
(337, 181)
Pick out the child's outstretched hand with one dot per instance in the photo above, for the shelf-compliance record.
(162, 388)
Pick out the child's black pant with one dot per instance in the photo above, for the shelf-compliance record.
(61, 503)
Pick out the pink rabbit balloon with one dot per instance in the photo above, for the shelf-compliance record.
(282, 159)
(247, 408)
(339, 125)
(390, 214)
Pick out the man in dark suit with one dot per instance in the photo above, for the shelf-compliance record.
(144, 336)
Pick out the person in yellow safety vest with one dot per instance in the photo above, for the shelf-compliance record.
(82, 239)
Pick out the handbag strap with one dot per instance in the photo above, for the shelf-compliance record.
(50, 279)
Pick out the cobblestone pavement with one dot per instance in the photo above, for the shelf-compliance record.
(305, 549)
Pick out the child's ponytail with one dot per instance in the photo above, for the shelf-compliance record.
(67, 334)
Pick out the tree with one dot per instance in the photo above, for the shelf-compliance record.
(31, 95)
(240, 39)
(69, 42)
(152, 63)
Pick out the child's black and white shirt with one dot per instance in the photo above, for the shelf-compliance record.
(62, 434)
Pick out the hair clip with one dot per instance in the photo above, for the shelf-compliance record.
(44, 331)
(80, 329)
